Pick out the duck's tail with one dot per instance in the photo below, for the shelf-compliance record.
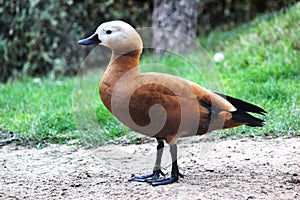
(241, 114)
(248, 119)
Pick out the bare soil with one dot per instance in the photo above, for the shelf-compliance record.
(232, 169)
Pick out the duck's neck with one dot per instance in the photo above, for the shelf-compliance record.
(122, 63)
(119, 65)
(127, 60)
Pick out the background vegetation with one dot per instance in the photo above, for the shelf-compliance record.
(38, 37)
(261, 66)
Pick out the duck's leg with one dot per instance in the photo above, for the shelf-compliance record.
(157, 167)
(174, 173)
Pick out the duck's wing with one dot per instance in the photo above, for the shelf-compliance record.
(213, 100)
(167, 89)
(233, 110)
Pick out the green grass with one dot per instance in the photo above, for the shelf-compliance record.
(38, 110)
(261, 66)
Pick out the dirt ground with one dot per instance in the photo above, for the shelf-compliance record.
(231, 169)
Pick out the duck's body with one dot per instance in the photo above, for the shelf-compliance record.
(160, 105)
(143, 90)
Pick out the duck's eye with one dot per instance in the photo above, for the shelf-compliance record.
(108, 32)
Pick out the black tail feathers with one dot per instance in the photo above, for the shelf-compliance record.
(246, 117)
(241, 113)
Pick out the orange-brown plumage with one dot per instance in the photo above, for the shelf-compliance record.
(156, 92)
(160, 105)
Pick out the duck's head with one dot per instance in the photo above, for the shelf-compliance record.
(117, 35)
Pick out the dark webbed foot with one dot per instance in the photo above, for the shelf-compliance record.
(153, 178)
(173, 178)
(148, 178)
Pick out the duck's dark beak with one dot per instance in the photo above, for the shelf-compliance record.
(93, 39)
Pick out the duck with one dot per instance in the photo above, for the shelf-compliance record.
(161, 105)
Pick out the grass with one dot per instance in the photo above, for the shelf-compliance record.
(261, 66)
(37, 110)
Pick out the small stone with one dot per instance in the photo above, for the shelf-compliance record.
(209, 170)
(75, 185)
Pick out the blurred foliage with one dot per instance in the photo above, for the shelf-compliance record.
(229, 13)
(40, 37)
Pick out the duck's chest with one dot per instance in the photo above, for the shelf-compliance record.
(115, 87)
(105, 91)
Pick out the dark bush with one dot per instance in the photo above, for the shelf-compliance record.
(229, 13)
(38, 37)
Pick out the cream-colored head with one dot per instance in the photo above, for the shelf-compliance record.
(119, 36)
